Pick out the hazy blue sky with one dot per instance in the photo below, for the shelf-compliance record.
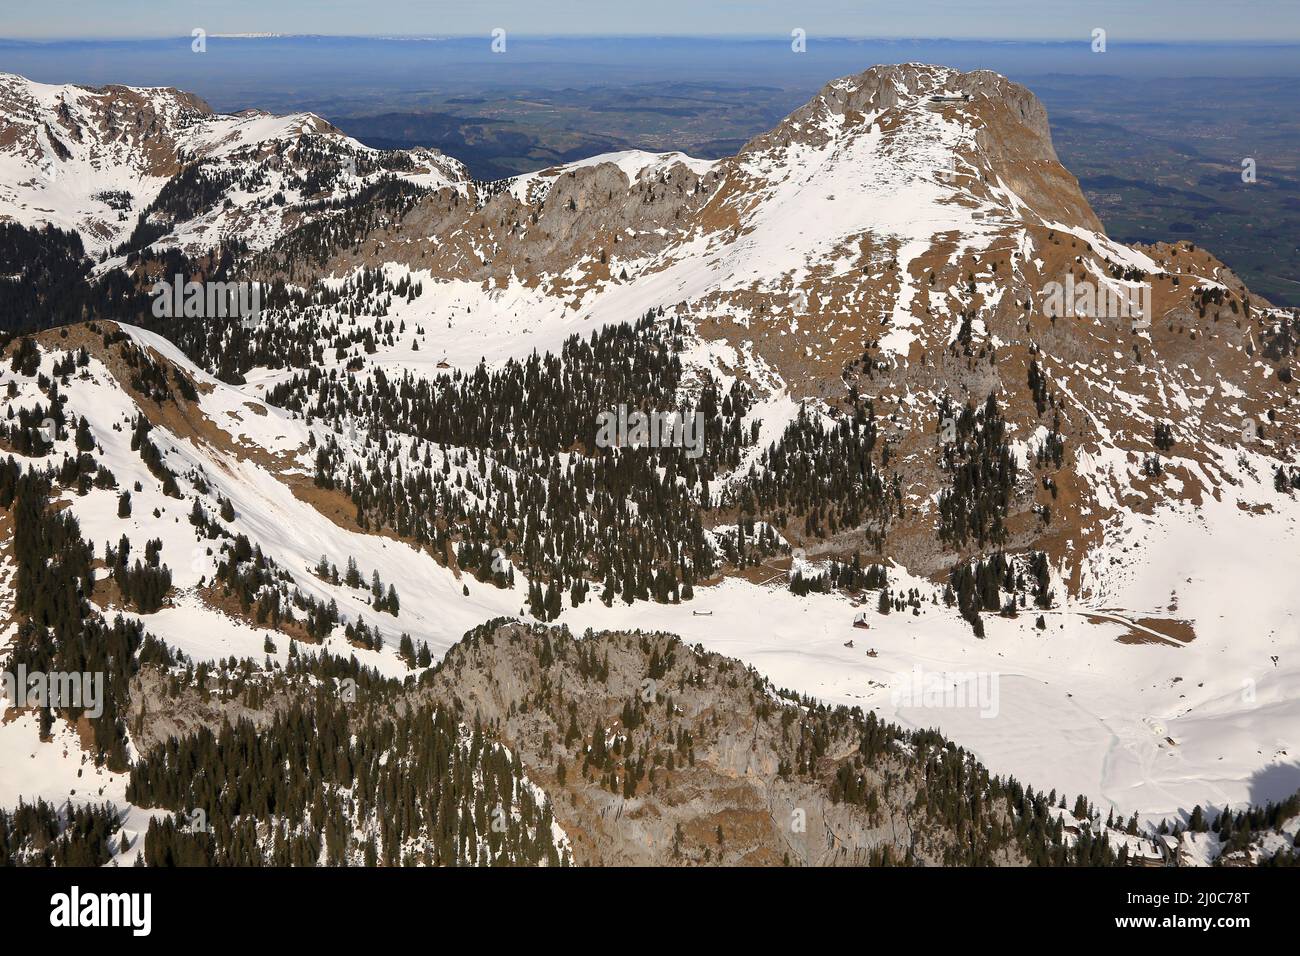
(1170, 20)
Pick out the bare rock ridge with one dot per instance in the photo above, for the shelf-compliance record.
(653, 753)
(682, 757)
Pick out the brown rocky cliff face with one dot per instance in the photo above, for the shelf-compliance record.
(719, 752)
(726, 771)
(588, 213)
(1009, 124)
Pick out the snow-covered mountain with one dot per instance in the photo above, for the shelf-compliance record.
(876, 304)
(95, 161)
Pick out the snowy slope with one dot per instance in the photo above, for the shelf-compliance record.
(91, 160)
